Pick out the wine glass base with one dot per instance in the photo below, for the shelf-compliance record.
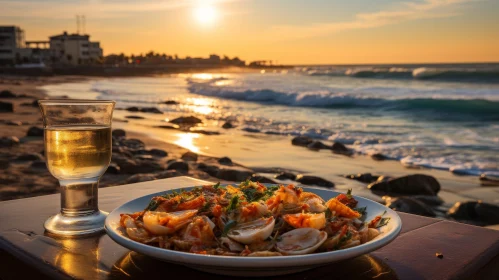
(76, 225)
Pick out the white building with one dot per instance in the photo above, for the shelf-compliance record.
(12, 45)
(74, 49)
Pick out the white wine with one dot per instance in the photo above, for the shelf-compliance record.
(78, 142)
(78, 152)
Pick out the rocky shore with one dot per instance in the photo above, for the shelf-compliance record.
(138, 158)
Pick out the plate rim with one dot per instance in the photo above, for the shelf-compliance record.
(235, 262)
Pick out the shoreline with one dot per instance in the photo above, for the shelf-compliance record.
(454, 188)
(106, 71)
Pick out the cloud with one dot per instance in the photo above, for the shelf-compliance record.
(56, 9)
(405, 12)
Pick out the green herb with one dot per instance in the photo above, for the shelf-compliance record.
(216, 186)
(349, 194)
(362, 211)
(252, 194)
(328, 213)
(152, 205)
(383, 222)
(206, 207)
(187, 196)
(347, 236)
(249, 193)
(228, 226)
(276, 237)
(343, 240)
(245, 183)
(168, 195)
(269, 192)
(233, 203)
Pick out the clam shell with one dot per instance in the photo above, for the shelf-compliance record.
(301, 241)
(253, 231)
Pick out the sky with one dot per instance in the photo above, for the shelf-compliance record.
(285, 31)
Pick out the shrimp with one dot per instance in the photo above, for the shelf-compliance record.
(195, 203)
(163, 223)
(314, 202)
(341, 209)
(252, 211)
(285, 200)
(347, 199)
(135, 230)
(177, 203)
(200, 232)
(306, 220)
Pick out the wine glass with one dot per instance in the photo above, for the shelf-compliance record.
(78, 150)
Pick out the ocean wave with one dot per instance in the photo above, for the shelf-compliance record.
(379, 73)
(481, 108)
(461, 75)
(420, 73)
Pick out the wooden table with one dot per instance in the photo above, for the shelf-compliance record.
(27, 251)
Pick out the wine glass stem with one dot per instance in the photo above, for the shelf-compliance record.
(79, 197)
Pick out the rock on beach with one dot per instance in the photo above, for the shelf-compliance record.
(408, 185)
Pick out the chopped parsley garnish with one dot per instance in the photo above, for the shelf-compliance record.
(153, 204)
(252, 194)
(246, 183)
(328, 213)
(362, 211)
(233, 203)
(206, 207)
(343, 240)
(269, 192)
(383, 222)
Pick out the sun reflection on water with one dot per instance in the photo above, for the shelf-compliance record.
(222, 83)
(202, 76)
(186, 140)
(200, 105)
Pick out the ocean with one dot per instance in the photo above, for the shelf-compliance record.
(433, 116)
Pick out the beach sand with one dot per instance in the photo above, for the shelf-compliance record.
(266, 157)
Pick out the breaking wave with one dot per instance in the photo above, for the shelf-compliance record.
(478, 108)
(421, 73)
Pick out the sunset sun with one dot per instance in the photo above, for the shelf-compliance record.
(205, 14)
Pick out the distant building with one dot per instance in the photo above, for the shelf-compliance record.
(12, 45)
(95, 51)
(38, 51)
(74, 49)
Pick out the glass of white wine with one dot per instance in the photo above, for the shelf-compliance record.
(78, 147)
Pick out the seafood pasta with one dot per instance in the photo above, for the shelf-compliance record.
(251, 220)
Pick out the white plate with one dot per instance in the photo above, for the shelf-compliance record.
(254, 266)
